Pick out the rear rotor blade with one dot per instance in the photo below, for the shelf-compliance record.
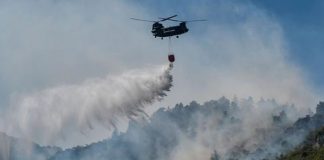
(142, 20)
(175, 20)
(196, 20)
(164, 19)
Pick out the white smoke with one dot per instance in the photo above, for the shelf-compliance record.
(249, 128)
(52, 114)
(238, 129)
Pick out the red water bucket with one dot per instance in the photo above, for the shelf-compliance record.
(171, 58)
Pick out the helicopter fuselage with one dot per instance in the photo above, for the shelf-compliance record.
(159, 31)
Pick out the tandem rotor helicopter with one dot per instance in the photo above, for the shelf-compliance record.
(158, 30)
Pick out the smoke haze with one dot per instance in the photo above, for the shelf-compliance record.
(51, 50)
(239, 129)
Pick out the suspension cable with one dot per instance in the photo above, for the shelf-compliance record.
(170, 46)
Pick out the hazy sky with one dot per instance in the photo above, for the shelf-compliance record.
(246, 48)
(303, 27)
(300, 20)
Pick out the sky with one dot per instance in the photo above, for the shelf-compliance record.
(300, 20)
(69, 31)
(303, 27)
(246, 48)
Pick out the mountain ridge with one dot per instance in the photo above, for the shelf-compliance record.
(163, 135)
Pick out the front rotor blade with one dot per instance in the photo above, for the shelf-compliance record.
(142, 20)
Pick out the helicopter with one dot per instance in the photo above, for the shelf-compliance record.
(158, 30)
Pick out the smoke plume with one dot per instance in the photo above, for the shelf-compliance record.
(238, 129)
(61, 112)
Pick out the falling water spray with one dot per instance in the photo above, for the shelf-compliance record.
(52, 114)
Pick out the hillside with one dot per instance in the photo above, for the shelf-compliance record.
(312, 148)
(228, 129)
(217, 129)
